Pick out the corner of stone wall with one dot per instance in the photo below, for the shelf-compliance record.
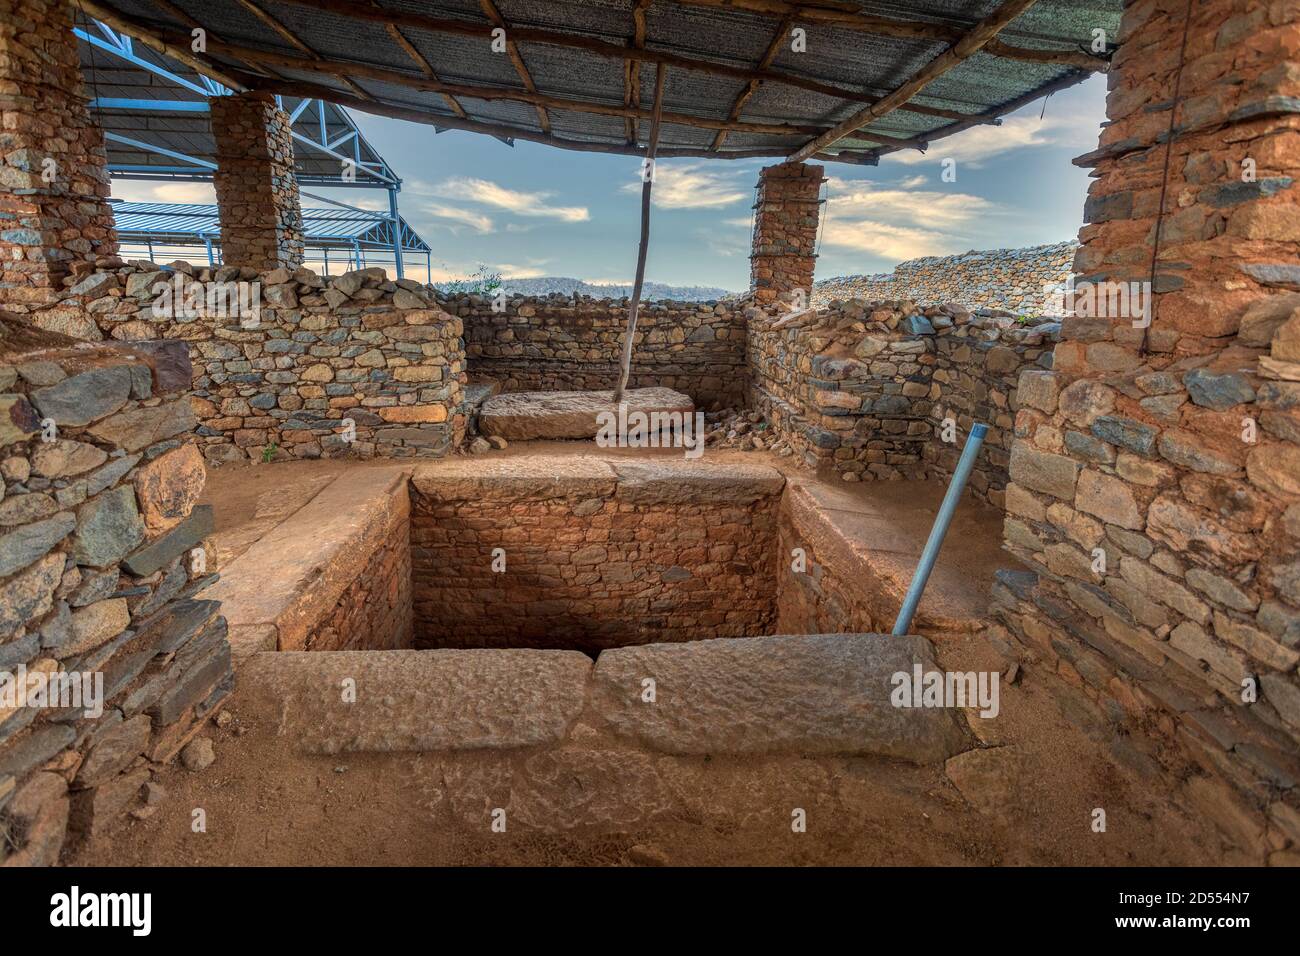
(108, 662)
(1155, 476)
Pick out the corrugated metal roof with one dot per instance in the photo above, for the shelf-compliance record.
(726, 33)
(137, 221)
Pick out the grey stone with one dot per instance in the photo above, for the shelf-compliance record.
(917, 325)
(108, 527)
(1218, 391)
(1127, 433)
(108, 476)
(21, 547)
(820, 693)
(86, 397)
(21, 756)
(158, 554)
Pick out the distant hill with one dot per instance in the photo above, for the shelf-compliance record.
(548, 285)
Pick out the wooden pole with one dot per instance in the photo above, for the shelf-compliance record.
(648, 181)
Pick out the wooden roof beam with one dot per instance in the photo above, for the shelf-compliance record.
(492, 13)
(966, 47)
(751, 88)
(500, 130)
(291, 38)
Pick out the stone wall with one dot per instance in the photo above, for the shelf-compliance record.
(255, 182)
(865, 387)
(786, 211)
(1012, 280)
(101, 553)
(1156, 471)
(558, 343)
(280, 382)
(595, 554)
(375, 611)
(54, 214)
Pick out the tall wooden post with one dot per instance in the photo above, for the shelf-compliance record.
(648, 182)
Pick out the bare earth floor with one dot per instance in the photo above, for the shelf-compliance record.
(1028, 800)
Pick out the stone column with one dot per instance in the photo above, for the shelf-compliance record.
(257, 189)
(1155, 479)
(785, 230)
(54, 217)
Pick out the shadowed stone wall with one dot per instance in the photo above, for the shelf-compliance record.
(559, 343)
(596, 554)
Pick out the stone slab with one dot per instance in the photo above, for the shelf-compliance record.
(520, 416)
(530, 477)
(293, 576)
(410, 700)
(669, 481)
(806, 694)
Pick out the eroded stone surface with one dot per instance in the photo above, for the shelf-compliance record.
(519, 416)
(417, 700)
(821, 693)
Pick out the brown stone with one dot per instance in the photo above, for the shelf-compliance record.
(168, 487)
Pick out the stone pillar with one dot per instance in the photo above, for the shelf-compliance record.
(785, 230)
(53, 176)
(257, 189)
(1155, 479)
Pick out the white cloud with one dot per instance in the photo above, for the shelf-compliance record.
(476, 221)
(134, 190)
(690, 186)
(912, 182)
(898, 224)
(979, 143)
(511, 271)
(470, 189)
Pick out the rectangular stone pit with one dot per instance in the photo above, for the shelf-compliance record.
(591, 554)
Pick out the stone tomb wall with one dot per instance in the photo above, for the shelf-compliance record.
(865, 387)
(353, 347)
(596, 554)
(101, 554)
(559, 343)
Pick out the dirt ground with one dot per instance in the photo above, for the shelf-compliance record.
(267, 805)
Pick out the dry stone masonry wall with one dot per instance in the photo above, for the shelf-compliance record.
(101, 555)
(1014, 280)
(285, 381)
(54, 214)
(564, 343)
(870, 388)
(1171, 454)
(595, 554)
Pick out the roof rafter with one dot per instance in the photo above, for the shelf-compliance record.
(751, 88)
(430, 84)
(967, 46)
(291, 38)
(492, 13)
(632, 68)
(181, 54)
(294, 88)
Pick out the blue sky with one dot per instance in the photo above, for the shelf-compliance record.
(533, 210)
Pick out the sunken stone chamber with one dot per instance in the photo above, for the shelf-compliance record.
(592, 554)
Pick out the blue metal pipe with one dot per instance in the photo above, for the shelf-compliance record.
(940, 529)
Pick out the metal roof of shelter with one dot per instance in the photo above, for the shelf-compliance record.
(154, 113)
(193, 223)
(871, 77)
